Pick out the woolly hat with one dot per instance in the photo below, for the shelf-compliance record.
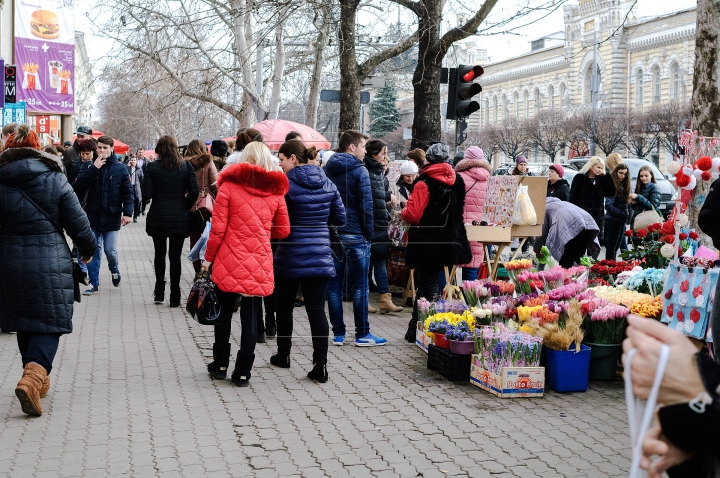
(437, 153)
(86, 145)
(219, 148)
(521, 159)
(473, 152)
(23, 137)
(408, 167)
(558, 169)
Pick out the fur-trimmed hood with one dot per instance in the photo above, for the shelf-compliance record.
(17, 154)
(466, 164)
(199, 161)
(20, 165)
(255, 179)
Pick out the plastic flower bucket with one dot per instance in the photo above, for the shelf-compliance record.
(603, 361)
(441, 341)
(567, 370)
(462, 347)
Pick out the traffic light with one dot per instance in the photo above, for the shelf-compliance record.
(461, 89)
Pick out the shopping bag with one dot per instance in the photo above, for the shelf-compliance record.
(397, 229)
(524, 213)
(397, 271)
(198, 250)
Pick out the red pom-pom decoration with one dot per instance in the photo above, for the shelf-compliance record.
(668, 238)
(694, 235)
(704, 163)
(682, 236)
(682, 180)
(706, 176)
(668, 227)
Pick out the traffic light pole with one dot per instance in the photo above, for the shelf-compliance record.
(460, 135)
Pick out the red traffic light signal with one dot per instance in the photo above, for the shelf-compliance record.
(465, 89)
(469, 73)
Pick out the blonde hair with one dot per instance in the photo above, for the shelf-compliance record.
(595, 160)
(613, 160)
(259, 154)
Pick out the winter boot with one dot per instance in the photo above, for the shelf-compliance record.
(45, 386)
(411, 331)
(159, 294)
(371, 309)
(28, 389)
(243, 365)
(319, 371)
(221, 359)
(282, 358)
(175, 296)
(386, 304)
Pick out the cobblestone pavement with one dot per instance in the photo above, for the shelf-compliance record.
(131, 396)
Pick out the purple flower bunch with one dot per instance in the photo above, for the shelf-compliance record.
(559, 307)
(438, 327)
(459, 332)
(498, 347)
(454, 306)
(520, 299)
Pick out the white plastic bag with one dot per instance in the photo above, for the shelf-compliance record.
(198, 250)
(524, 214)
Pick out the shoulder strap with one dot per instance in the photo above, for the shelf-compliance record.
(47, 216)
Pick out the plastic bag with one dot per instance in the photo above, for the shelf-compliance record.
(397, 229)
(524, 214)
(198, 250)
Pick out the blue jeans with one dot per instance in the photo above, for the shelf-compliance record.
(108, 242)
(38, 348)
(380, 272)
(356, 253)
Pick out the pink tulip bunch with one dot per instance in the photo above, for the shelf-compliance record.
(609, 312)
(568, 291)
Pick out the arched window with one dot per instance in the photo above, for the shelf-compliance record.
(495, 110)
(526, 104)
(562, 93)
(538, 101)
(639, 88)
(675, 89)
(505, 108)
(656, 85)
(517, 105)
(487, 111)
(551, 97)
(588, 86)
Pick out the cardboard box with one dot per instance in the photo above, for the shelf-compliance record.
(421, 339)
(513, 382)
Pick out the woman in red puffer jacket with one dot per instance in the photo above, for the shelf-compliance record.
(475, 171)
(250, 209)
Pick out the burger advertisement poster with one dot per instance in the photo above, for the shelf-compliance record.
(45, 55)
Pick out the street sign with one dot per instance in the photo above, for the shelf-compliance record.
(10, 84)
(364, 97)
(374, 82)
(42, 124)
(333, 96)
(14, 113)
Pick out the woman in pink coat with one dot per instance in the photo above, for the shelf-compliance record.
(475, 171)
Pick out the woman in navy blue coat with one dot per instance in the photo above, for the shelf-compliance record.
(617, 210)
(304, 257)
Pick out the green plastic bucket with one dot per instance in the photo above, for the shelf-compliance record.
(603, 361)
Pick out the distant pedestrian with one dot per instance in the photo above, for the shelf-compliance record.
(617, 210)
(521, 167)
(417, 156)
(646, 196)
(196, 154)
(589, 189)
(219, 152)
(557, 186)
(110, 204)
(293, 135)
(136, 179)
(6, 131)
(71, 156)
(172, 186)
(36, 271)
(402, 188)
(250, 209)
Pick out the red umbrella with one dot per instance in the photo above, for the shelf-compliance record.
(274, 132)
(119, 146)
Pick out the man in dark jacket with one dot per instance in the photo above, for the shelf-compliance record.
(71, 156)
(110, 203)
(352, 180)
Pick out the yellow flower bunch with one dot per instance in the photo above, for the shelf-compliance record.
(452, 318)
(519, 264)
(620, 296)
(524, 312)
(648, 307)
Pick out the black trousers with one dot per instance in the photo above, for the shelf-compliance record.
(174, 253)
(248, 311)
(38, 348)
(314, 291)
(145, 202)
(426, 280)
(575, 249)
(136, 208)
(613, 238)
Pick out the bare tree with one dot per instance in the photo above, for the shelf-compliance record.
(643, 135)
(511, 138)
(706, 74)
(546, 132)
(670, 119)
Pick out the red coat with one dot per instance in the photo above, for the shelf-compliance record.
(249, 210)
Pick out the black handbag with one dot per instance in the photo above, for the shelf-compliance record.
(78, 275)
(203, 303)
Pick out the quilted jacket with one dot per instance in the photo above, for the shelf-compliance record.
(249, 210)
(173, 193)
(353, 182)
(475, 174)
(313, 202)
(109, 193)
(36, 282)
(381, 242)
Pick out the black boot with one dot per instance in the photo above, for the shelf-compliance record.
(411, 331)
(243, 365)
(159, 294)
(260, 327)
(175, 296)
(270, 329)
(319, 371)
(221, 359)
(282, 358)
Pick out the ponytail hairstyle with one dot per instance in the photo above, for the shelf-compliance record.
(297, 147)
(168, 153)
(246, 136)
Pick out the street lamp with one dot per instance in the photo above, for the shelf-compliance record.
(373, 121)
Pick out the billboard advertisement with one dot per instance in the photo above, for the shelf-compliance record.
(45, 55)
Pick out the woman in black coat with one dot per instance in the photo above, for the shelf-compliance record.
(590, 188)
(172, 185)
(36, 270)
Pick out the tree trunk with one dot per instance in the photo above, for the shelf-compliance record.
(427, 125)
(706, 86)
(276, 97)
(349, 79)
(316, 78)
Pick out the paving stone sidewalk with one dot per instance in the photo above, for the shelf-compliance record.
(131, 396)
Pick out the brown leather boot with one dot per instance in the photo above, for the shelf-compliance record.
(372, 309)
(386, 304)
(45, 386)
(28, 389)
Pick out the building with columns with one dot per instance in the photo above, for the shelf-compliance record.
(639, 62)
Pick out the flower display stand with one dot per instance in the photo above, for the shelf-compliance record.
(453, 367)
(513, 382)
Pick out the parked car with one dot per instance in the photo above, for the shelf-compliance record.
(634, 164)
(537, 169)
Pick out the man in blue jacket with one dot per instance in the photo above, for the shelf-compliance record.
(110, 202)
(347, 171)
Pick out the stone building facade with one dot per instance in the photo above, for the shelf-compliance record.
(639, 62)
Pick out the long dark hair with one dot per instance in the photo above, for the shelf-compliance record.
(246, 136)
(622, 187)
(168, 153)
(195, 148)
(639, 184)
(297, 147)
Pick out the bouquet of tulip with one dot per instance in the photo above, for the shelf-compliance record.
(483, 315)
(553, 278)
(516, 267)
(499, 346)
(619, 295)
(575, 274)
(568, 291)
(649, 307)
(539, 300)
(606, 324)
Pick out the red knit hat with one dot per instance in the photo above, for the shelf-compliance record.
(23, 137)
